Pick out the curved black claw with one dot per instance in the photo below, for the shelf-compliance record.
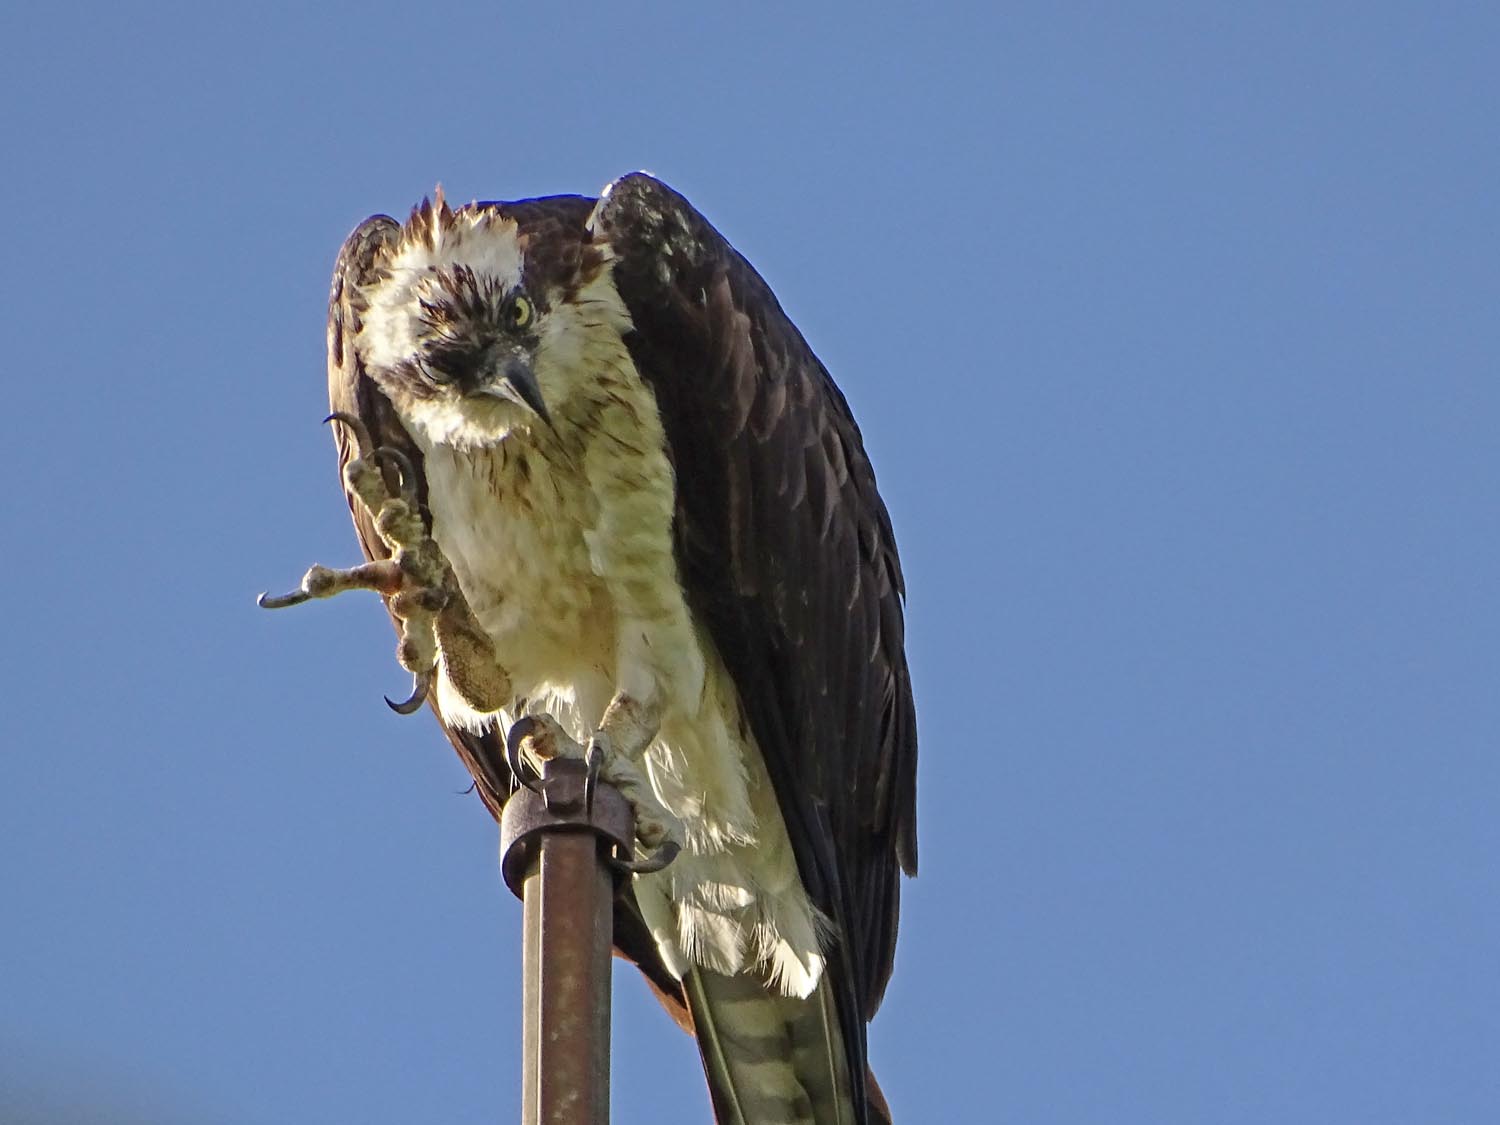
(594, 760)
(518, 765)
(361, 431)
(648, 863)
(420, 684)
(404, 469)
(281, 601)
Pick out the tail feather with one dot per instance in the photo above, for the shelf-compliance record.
(770, 1059)
(715, 1045)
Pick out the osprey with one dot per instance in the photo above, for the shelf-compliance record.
(627, 499)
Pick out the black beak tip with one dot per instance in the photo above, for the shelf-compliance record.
(521, 382)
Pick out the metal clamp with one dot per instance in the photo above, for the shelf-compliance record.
(557, 804)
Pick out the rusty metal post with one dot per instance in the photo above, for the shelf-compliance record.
(554, 857)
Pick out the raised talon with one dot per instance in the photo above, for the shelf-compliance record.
(421, 683)
(520, 768)
(648, 864)
(361, 431)
(281, 601)
(435, 623)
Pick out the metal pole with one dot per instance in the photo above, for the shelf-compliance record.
(554, 856)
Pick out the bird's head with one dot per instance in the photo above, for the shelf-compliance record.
(477, 327)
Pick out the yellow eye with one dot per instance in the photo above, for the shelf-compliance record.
(520, 311)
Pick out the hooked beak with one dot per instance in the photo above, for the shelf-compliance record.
(517, 383)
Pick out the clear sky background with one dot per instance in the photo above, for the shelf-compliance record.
(1172, 333)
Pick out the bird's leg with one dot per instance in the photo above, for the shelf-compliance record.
(539, 738)
(616, 752)
(435, 620)
(630, 723)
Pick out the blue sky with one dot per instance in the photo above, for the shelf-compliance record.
(1171, 330)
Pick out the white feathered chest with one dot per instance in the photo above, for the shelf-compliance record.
(562, 543)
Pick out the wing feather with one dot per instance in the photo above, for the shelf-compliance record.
(787, 553)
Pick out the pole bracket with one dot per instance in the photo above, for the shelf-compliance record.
(557, 805)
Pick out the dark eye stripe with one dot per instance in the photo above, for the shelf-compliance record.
(452, 364)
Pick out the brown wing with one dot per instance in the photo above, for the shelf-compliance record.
(787, 553)
(351, 390)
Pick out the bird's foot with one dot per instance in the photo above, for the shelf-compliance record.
(537, 738)
(419, 585)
